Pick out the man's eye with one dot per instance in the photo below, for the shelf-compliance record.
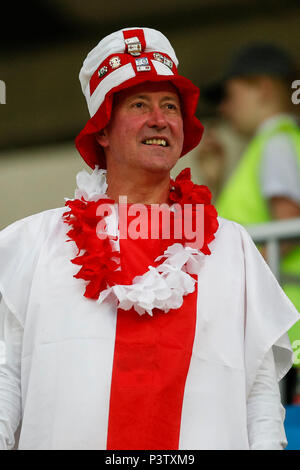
(171, 106)
(139, 104)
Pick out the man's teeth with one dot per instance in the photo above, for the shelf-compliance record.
(162, 142)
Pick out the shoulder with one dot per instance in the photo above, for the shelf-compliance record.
(35, 226)
(278, 146)
(280, 170)
(21, 245)
(227, 226)
(230, 238)
(281, 138)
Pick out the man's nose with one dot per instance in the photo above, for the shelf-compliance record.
(157, 118)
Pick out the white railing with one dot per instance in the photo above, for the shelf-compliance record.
(271, 234)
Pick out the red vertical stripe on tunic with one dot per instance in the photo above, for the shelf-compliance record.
(150, 365)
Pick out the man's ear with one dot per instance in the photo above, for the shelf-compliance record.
(102, 138)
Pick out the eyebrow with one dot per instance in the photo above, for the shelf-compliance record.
(146, 97)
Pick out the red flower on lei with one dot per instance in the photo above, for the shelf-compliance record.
(100, 263)
(187, 192)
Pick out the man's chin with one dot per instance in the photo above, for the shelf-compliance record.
(158, 165)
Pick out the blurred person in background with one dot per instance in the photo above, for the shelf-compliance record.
(217, 155)
(254, 95)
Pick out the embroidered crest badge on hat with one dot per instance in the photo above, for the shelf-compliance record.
(115, 62)
(124, 59)
(134, 47)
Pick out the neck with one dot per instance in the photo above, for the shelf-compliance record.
(139, 186)
(271, 112)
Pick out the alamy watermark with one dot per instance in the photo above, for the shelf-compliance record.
(296, 94)
(162, 221)
(2, 92)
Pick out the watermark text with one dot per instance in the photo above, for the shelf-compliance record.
(137, 221)
(2, 92)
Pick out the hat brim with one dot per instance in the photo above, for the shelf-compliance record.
(93, 153)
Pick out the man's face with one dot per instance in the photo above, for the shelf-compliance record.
(241, 104)
(146, 128)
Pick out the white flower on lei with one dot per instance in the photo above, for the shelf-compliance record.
(162, 287)
(91, 186)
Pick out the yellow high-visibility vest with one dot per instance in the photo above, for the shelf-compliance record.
(242, 201)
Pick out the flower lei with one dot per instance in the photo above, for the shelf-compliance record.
(165, 283)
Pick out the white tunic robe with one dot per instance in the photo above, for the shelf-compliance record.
(68, 341)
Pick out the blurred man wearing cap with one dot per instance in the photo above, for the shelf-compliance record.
(255, 96)
(155, 343)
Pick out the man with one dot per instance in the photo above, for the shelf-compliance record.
(153, 343)
(255, 97)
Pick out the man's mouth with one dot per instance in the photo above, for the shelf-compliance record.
(161, 142)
